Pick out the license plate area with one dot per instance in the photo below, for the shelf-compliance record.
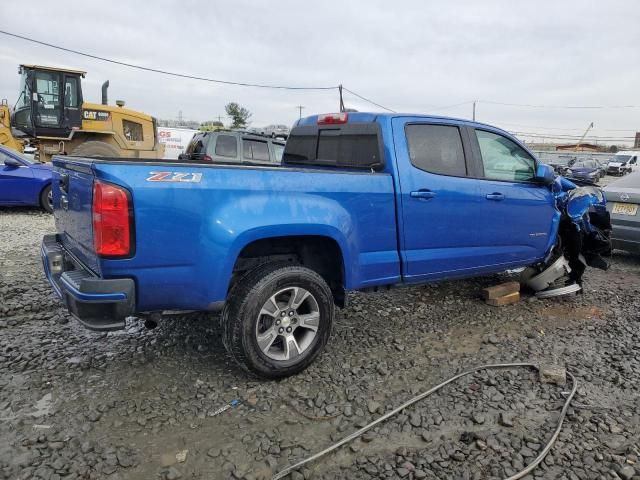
(625, 208)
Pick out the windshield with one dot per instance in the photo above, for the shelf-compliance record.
(12, 153)
(25, 92)
(584, 165)
(621, 158)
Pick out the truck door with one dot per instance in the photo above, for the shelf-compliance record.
(47, 102)
(72, 112)
(440, 207)
(517, 212)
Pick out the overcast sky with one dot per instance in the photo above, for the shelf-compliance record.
(412, 56)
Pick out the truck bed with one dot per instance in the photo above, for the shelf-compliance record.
(192, 220)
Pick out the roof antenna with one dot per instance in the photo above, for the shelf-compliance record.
(341, 100)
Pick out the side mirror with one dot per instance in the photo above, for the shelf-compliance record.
(12, 162)
(545, 174)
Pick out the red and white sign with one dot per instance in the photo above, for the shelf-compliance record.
(175, 140)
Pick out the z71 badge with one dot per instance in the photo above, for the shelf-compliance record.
(174, 177)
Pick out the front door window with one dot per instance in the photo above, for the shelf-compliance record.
(504, 159)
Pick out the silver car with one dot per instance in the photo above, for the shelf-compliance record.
(623, 198)
(275, 131)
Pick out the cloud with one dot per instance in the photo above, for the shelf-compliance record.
(409, 55)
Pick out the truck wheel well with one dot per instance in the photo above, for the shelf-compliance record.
(318, 253)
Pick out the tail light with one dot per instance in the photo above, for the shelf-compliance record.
(332, 118)
(111, 220)
(207, 158)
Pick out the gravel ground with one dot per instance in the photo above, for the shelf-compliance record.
(139, 404)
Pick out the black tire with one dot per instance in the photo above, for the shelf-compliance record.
(95, 148)
(242, 310)
(46, 202)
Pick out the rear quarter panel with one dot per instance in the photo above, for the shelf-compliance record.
(188, 235)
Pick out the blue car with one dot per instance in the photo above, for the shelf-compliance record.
(588, 171)
(23, 181)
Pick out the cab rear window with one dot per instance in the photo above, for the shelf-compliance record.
(347, 146)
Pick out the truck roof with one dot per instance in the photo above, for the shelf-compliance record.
(368, 117)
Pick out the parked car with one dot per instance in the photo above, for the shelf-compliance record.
(277, 131)
(233, 147)
(623, 162)
(602, 166)
(363, 201)
(623, 198)
(24, 181)
(561, 164)
(585, 171)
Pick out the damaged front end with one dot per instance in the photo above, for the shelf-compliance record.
(584, 237)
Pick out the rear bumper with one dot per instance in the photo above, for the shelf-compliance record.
(99, 304)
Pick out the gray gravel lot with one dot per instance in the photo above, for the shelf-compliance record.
(138, 404)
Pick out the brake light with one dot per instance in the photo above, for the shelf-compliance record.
(332, 118)
(111, 220)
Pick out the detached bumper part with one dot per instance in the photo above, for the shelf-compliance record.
(99, 304)
(541, 282)
(556, 270)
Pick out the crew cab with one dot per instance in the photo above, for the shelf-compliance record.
(362, 201)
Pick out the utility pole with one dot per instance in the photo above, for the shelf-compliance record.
(341, 100)
(300, 107)
(474, 110)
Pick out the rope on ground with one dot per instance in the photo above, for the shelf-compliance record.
(283, 473)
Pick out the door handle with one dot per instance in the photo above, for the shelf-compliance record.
(424, 194)
(495, 196)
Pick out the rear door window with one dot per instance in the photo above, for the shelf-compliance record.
(504, 159)
(436, 149)
(255, 150)
(226, 146)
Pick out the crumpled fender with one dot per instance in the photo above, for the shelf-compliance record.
(581, 199)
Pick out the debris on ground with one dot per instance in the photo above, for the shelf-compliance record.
(553, 374)
(501, 290)
(504, 300)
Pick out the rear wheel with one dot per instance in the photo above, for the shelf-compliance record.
(278, 319)
(95, 148)
(46, 199)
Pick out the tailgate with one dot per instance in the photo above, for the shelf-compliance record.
(72, 200)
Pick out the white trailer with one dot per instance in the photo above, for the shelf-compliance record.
(175, 140)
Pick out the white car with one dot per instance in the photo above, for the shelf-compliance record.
(623, 162)
(275, 131)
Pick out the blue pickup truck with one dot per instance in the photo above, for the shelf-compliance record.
(362, 201)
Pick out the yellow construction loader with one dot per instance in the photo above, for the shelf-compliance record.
(52, 116)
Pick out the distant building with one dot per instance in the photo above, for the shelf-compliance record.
(583, 147)
(637, 142)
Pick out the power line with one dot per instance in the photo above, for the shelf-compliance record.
(568, 128)
(572, 137)
(164, 72)
(558, 106)
(368, 100)
(452, 106)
